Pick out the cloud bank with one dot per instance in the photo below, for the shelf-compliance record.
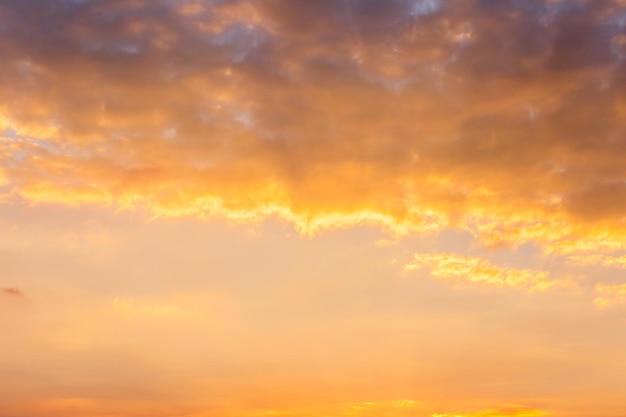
(505, 119)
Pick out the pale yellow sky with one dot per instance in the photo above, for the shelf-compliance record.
(351, 208)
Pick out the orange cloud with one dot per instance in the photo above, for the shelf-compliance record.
(599, 259)
(393, 408)
(477, 270)
(402, 115)
(12, 292)
(610, 295)
(507, 412)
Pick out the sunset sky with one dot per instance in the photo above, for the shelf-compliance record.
(313, 208)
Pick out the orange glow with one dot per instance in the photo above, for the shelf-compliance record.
(359, 208)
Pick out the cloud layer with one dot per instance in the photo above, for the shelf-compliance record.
(504, 118)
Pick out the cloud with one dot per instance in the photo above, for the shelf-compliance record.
(459, 268)
(140, 308)
(598, 259)
(610, 295)
(507, 412)
(503, 119)
(12, 292)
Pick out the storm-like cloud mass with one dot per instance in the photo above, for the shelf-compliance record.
(504, 118)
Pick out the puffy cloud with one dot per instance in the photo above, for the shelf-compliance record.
(478, 270)
(503, 119)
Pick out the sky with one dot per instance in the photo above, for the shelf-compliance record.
(313, 208)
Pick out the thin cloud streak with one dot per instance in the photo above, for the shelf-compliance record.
(610, 295)
(458, 268)
(12, 292)
(506, 412)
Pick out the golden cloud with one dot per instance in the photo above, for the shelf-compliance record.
(402, 114)
(508, 412)
(478, 270)
(610, 295)
(599, 259)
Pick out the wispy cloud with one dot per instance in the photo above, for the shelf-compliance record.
(505, 412)
(458, 268)
(599, 259)
(610, 295)
(12, 292)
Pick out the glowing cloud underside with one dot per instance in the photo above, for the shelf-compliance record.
(418, 116)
